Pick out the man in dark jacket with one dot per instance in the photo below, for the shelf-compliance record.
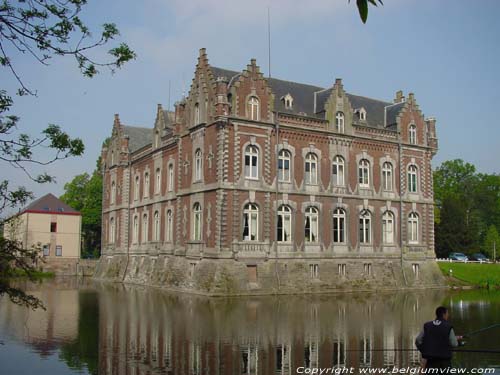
(437, 339)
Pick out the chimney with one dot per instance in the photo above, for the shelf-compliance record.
(399, 97)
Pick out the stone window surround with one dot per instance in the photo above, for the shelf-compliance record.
(305, 151)
(171, 181)
(345, 208)
(413, 211)
(144, 226)
(169, 232)
(286, 146)
(345, 169)
(293, 206)
(413, 163)
(370, 159)
(252, 142)
(382, 161)
(395, 212)
(318, 206)
(371, 211)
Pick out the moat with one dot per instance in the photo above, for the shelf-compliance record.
(91, 327)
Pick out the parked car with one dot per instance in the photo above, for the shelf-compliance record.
(479, 257)
(458, 256)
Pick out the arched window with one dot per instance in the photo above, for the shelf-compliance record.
(145, 228)
(252, 162)
(311, 228)
(413, 228)
(311, 169)
(170, 177)
(339, 219)
(387, 176)
(284, 233)
(135, 230)
(253, 109)
(339, 122)
(284, 158)
(365, 227)
(158, 181)
(197, 217)
(113, 193)
(112, 230)
(412, 179)
(412, 134)
(364, 173)
(250, 222)
(156, 226)
(388, 227)
(338, 168)
(137, 188)
(197, 114)
(170, 227)
(198, 165)
(146, 185)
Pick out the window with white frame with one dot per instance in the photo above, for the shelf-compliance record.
(197, 217)
(362, 114)
(253, 108)
(339, 220)
(170, 182)
(170, 227)
(342, 269)
(388, 227)
(365, 227)
(197, 119)
(135, 229)
(413, 228)
(311, 169)
(198, 165)
(252, 162)
(146, 185)
(145, 228)
(284, 227)
(368, 269)
(112, 230)
(250, 222)
(158, 181)
(338, 168)
(156, 226)
(416, 270)
(46, 250)
(412, 134)
(387, 176)
(58, 251)
(314, 271)
(113, 193)
(364, 173)
(339, 121)
(284, 158)
(311, 227)
(137, 188)
(412, 179)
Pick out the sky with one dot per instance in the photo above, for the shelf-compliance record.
(446, 52)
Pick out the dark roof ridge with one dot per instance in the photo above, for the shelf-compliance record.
(367, 97)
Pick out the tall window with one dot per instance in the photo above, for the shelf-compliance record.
(388, 227)
(135, 230)
(311, 226)
(284, 158)
(170, 177)
(339, 219)
(364, 173)
(251, 222)
(113, 192)
(365, 227)
(197, 217)
(156, 226)
(413, 228)
(198, 165)
(158, 181)
(338, 168)
(412, 134)
(197, 114)
(284, 224)
(146, 185)
(252, 162)
(339, 122)
(387, 176)
(412, 179)
(170, 226)
(253, 108)
(112, 230)
(145, 228)
(311, 169)
(137, 187)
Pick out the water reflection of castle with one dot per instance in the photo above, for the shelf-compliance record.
(147, 332)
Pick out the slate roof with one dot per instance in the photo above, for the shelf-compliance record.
(310, 100)
(138, 137)
(51, 204)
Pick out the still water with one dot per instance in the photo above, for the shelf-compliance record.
(103, 328)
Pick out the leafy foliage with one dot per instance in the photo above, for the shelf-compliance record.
(363, 7)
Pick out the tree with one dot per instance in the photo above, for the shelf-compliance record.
(43, 29)
(363, 7)
(491, 242)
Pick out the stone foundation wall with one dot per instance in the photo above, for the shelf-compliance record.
(216, 277)
(69, 266)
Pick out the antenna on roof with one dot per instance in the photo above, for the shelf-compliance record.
(269, 38)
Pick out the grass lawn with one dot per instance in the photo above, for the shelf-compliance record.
(473, 273)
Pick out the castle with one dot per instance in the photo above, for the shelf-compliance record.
(259, 185)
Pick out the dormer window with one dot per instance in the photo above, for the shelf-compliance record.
(362, 114)
(287, 101)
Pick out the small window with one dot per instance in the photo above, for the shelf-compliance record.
(412, 134)
(314, 271)
(46, 250)
(342, 269)
(368, 269)
(192, 267)
(416, 270)
(58, 251)
(362, 114)
(339, 122)
(53, 227)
